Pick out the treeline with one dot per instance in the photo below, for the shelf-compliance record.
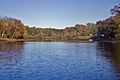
(108, 29)
(15, 29)
(62, 34)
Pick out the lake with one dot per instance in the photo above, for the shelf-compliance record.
(59, 61)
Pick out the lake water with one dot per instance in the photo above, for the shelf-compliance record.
(59, 61)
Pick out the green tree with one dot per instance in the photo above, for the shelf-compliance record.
(116, 11)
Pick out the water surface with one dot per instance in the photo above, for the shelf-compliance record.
(59, 61)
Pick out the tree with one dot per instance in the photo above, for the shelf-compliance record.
(116, 11)
(110, 28)
(11, 28)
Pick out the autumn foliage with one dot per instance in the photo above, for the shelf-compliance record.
(108, 29)
(11, 28)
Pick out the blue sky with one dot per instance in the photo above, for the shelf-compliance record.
(57, 13)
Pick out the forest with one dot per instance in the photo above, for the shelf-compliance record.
(108, 29)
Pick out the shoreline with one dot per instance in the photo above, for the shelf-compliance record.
(44, 40)
(11, 40)
(52, 40)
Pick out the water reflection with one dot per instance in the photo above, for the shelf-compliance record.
(111, 51)
(59, 61)
(10, 52)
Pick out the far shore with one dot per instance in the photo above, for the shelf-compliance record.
(10, 40)
(52, 40)
(48, 40)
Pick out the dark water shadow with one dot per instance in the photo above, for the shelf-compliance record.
(11, 52)
(111, 52)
